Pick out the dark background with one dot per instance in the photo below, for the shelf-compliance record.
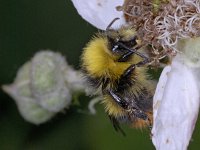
(27, 26)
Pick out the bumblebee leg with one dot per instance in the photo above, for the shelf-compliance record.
(125, 56)
(118, 100)
(134, 51)
(140, 114)
(135, 109)
(142, 63)
(127, 74)
(123, 82)
(121, 103)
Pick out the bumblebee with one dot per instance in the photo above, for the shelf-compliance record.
(115, 66)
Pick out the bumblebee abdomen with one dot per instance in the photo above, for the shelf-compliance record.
(112, 108)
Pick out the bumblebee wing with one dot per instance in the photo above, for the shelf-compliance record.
(116, 125)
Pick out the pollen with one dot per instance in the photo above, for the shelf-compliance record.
(161, 23)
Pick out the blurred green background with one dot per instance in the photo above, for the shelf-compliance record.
(27, 26)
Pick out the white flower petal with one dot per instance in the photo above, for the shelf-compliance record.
(176, 106)
(160, 89)
(100, 12)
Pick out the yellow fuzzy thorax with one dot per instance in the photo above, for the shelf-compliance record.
(99, 61)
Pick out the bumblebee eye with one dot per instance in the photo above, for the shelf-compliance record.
(115, 48)
(113, 44)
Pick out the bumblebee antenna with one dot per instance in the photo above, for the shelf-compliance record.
(113, 21)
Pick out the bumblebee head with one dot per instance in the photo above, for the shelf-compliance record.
(125, 35)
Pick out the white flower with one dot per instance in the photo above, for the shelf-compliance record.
(176, 101)
(176, 106)
(100, 12)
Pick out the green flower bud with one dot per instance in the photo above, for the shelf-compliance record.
(21, 93)
(191, 51)
(47, 81)
(74, 80)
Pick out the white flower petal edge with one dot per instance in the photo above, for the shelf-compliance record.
(176, 106)
(100, 13)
